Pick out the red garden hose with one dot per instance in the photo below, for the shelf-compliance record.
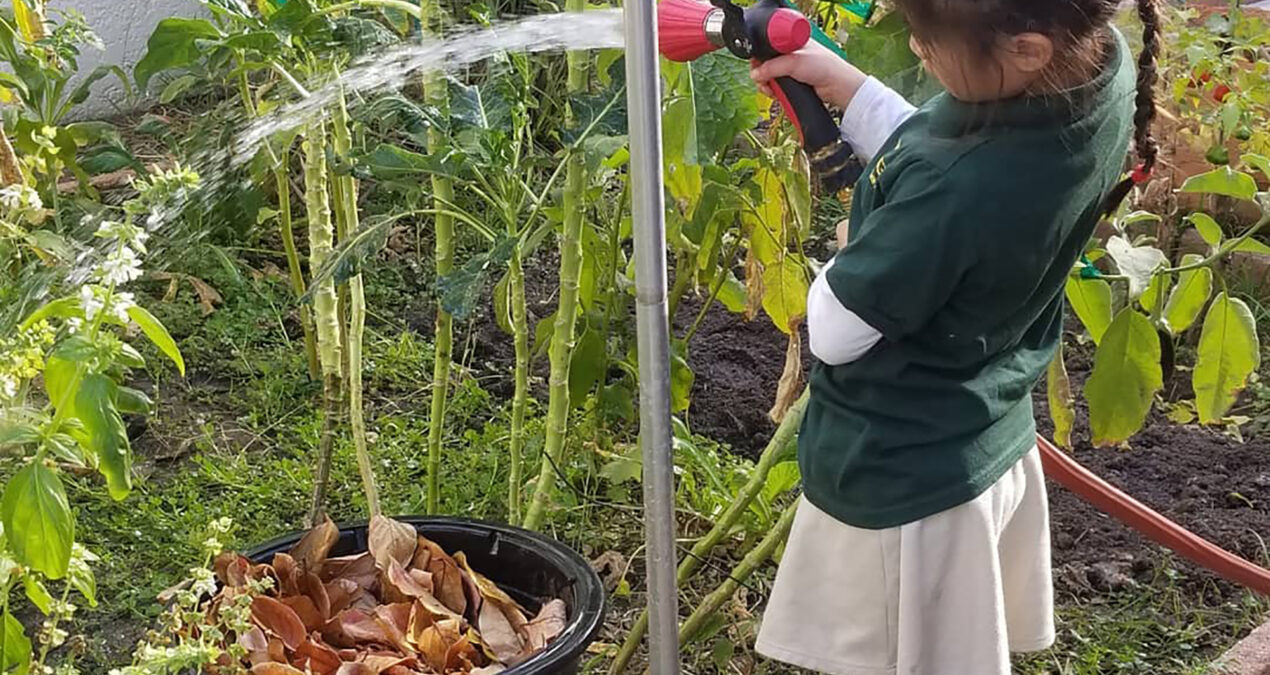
(1088, 486)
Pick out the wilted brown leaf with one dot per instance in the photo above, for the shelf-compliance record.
(277, 650)
(341, 593)
(355, 668)
(306, 610)
(491, 669)
(313, 548)
(256, 644)
(391, 540)
(395, 619)
(287, 573)
(232, 569)
(410, 584)
(279, 620)
(380, 663)
(272, 668)
(359, 569)
(549, 623)
(460, 656)
(423, 554)
(433, 647)
(361, 628)
(318, 657)
(497, 632)
(311, 587)
(487, 588)
(790, 386)
(447, 578)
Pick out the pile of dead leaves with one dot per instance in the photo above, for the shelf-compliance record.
(403, 607)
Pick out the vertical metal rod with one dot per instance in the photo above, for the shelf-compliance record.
(643, 96)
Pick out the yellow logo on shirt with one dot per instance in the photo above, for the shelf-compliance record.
(881, 166)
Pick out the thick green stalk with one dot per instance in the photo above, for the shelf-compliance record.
(283, 185)
(562, 338)
(520, 334)
(435, 93)
(752, 560)
(784, 435)
(325, 304)
(346, 213)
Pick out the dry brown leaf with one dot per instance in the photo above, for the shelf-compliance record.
(359, 569)
(395, 619)
(274, 669)
(491, 669)
(318, 657)
(277, 650)
(487, 588)
(406, 583)
(256, 644)
(232, 569)
(423, 554)
(790, 386)
(279, 620)
(208, 298)
(447, 578)
(355, 668)
(497, 632)
(311, 587)
(549, 623)
(314, 547)
(287, 573)
(306, 610)
(382, 662)
(460, 656)
(166, 595)
(433, 647)
(391, 540)
(401, 670)
(341, 593)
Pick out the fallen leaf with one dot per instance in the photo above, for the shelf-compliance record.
(168, 594)
(306, 610)
(287, 573)
(433, 647)
(550, 622)
(314, 547)
(497, 632)
(232, 569)
(394, 619)
(318, 657)
(359, 569)
(277, 650)
(423, 554)
(487, 588)
(491, 669)
(279, 620)
(340, 594)
(447, 582)
(311, 587)
(382, 662)
(362, 628)
(256, 644)
(272, 668)
(355, 668)
(459, 656)
(391, 540)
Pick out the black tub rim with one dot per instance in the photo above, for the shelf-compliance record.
(567, 649)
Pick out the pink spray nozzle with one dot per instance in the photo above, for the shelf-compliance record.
(787, 30)
(681, 29)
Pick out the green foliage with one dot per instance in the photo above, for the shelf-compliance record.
(1125, 377)
(38, 523)
(1091, 299)
(1188, 297)
(1228, 354)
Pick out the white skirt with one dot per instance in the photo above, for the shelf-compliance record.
(951, 594)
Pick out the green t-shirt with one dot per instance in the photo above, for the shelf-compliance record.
(964, 228)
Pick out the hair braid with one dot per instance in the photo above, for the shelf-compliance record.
(1144, 144)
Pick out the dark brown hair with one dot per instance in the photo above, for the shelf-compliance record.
(1072, 25)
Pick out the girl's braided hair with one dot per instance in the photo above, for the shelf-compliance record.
(1073, 25)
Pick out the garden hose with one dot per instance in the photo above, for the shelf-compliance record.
(1069, 473)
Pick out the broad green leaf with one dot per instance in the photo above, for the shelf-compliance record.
(1208, 228)
(178, 86)
(785, 293)
(1251, 245)
(460, 290)
(158, 335)
(1259, 162)
(60, 368)
(681, 377)
(622, 469)
(502, 309)
(881, 49)
(104, 434)
(37, 520)
(586, 366)
(1228, 354)
(60, 308)
(1139, 217)
(1156, 293)
(16, 434)
(1222, 181)
(1136, 262)
(780, 479)
(1188, 297)
(1058, 388)
(37, 593)
(1091, 299)
(80, 575)
(1125, 377)
(173, 45)
(15, 647)
(30, 25)
(767, 233)
(732, 293)
(724, 99)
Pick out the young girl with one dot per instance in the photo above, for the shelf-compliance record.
(921, 546)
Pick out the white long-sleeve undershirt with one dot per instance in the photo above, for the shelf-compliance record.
(837, 334)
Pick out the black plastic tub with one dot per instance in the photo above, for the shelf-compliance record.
(530, 567)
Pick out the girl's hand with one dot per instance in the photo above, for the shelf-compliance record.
(834, 80)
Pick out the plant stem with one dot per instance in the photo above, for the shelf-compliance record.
(520, 334)
(346, 213)
(325, 304)
(1225, 249)
(562, 338)
(784, 435)
(443, 343)
(683, 279)
(752, 560)
(293, 260)
(714, 293)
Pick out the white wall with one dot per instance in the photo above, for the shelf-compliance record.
(124, 25)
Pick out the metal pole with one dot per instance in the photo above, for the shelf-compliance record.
(643, 97)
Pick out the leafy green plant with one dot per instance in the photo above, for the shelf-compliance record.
(1135, 315)
(77, 344)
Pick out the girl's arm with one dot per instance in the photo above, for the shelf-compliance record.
(836, 334)
(874, 113)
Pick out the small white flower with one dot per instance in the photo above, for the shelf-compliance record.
(74, 323)
(126, 233)
(204, 581)
(119, 305)
(120, 267)
(92, 304)
(11, 197)
(8, 386)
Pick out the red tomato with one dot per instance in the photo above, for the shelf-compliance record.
(1220, 92)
